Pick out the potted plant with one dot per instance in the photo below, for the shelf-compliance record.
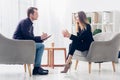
(96, 31)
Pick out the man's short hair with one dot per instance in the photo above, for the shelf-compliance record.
(31, 10)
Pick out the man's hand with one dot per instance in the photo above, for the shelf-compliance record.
(44, 36)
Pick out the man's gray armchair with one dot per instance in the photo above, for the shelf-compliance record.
(105, 48)
(17, 52)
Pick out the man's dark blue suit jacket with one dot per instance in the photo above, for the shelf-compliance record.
(24, 31)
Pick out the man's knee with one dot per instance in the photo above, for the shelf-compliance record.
(40, 45)
(43, 46)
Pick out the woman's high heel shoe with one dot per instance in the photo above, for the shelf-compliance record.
(67, 66)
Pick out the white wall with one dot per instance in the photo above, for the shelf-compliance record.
(94, 5)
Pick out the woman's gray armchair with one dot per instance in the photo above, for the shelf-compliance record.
(105, 48)
(17, 52)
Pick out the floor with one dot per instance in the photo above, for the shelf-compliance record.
(16, 72)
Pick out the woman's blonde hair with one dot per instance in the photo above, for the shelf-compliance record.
(83, 19)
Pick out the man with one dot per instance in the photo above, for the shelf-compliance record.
(24, 31)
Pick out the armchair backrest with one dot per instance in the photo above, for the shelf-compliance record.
(116, 43)
(105, 47)
(16, 51)
(104, 36)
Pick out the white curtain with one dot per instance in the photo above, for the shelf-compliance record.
(8, 16)
(11, 12)
(53, 18)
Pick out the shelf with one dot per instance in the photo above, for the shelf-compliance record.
(107, 24)
(96, 24)
(105, 20)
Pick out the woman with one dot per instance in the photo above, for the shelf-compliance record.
(80, 42)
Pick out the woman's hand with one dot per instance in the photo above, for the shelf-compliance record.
(66, 33)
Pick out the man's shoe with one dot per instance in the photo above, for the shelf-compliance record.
(39, 71)
(44, 69)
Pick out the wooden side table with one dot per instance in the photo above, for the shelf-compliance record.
(48, 57)
(51, 59)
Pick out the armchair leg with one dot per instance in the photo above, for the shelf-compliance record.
(29, 69)
(25, 67)
(99, 67)
(89, 67)
(113, 64)
(76, 64)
